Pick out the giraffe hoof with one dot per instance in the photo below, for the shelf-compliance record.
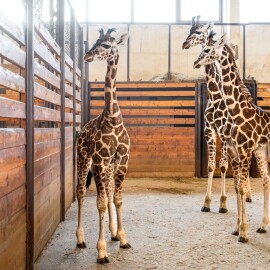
(235, 233)
(242, 239)
(81, 245)
(103, 261)
(126, 246)
(248, 200)
(205, 209)
(223, 210)
(115, 238)
(260, 230)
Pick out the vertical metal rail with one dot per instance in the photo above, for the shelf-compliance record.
(244, 52)
(61, 42)
(128, 55)
(81, 66)
(169, 52)
(73, 57)
(29, 135)
(177, 10)
(86, 87)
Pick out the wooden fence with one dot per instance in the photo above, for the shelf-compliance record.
(48, 97)
(160, 118)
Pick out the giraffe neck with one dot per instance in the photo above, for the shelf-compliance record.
(111, 105)
(213, 80)
(235, 95)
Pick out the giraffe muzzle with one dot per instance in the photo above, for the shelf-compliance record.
(88, 57)
(185, 46)
(197, 64)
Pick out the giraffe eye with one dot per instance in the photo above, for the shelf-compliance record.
(207, 50)
(198, 33)
(106, 46)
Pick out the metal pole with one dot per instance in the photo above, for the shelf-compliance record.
(244, 52)
(81, 66)
(73, 56)
(169, 53)
(29, 135)
(86, 85)
(128, 56)
(177, 10)
(61, 43)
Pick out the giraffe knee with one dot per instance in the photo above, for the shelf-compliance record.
(102, 203)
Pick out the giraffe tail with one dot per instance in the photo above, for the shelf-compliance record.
(88, 179)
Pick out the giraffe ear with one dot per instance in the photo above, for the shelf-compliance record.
(123, 39)
(208, 26)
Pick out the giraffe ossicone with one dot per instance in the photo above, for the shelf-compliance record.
(103, 147)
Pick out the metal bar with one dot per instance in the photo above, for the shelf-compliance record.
(169, 53)
(132, 11)
(86, 86)
(73, 57)
(128, 56)
(61, 42)
(177, 10)
(81, 65)
(244, 52)
(29, 85)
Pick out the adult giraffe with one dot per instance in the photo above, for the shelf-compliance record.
(250, 131)
(103, 148)
(215, 116)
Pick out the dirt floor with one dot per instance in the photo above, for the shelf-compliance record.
(166, 229)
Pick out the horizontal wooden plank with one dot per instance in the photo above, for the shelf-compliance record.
(146, 103)
(46, 56)
(159, 121)
(68, 132)
(78, 72)
(68, 61)
(46, 37)
(154, 112)
(68, 75)
(147, 93)
(11, 80)
(46, 134)
(46, 163)
(44, 149)
(12, 108)
(13, 202)
(12, 137)
(264, 102)
(78, 107)
(11, 52)
(45, 75)
(160, 174)
(13, 242)
(46, 94)
(12, 179)
(46, 114)
(146, 84)
(13, 29)
(68, 103)
(68, 117)
(78, 119)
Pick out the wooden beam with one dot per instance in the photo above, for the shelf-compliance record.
(11, 108)
(45, 94)
(46, 114)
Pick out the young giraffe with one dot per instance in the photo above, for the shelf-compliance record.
(215, 116)
(250, 131)
(103, 147)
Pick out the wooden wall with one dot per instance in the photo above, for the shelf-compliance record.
(160, 118)
(47, 139)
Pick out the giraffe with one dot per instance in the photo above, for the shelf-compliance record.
(215, 116)
(103, 148)
(249, 134)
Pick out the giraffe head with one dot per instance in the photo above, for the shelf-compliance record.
(211, 52)
(106, 47)
(198, 34)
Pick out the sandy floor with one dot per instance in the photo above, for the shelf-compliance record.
(166, 229)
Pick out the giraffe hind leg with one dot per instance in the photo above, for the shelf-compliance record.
(83, 165)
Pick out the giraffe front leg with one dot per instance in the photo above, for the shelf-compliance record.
(108, 186)
(261, 155)
(102, 203)
(83, 167)
(248, 198)
(210, 136)
(120, 174)
(223, 165)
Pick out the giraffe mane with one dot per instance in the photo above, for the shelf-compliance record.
(243, 88)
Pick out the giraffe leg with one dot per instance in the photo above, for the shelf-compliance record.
(102, 202)
(108, 186)
(83, 165)
(245, 157)
(223, 165)
(235, 167)
(261, 157)
(210, 136)
(248, 198)
(120, 173)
